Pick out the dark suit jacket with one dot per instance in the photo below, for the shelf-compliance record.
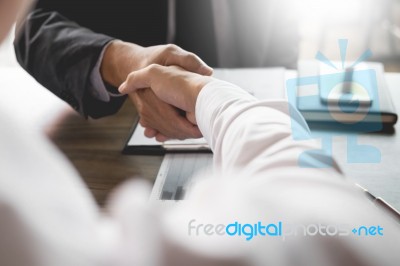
(61, 55)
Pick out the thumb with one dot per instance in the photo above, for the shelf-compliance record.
(139, 79)
(134, 82)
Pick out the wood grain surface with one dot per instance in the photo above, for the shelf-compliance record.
(94, 148)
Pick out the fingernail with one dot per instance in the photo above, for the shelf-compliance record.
(122, 88)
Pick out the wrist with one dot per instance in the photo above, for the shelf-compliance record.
(199, 84)
(120, 59)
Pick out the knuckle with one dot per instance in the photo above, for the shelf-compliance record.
(171, 47)
(130, 77)
(197, 135)
(169, 54)
(160, 139)
(150, 132)
(182, 136)
(153, 68)
(143, 123)
(191, 56)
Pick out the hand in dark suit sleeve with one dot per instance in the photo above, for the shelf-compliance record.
(61, 56)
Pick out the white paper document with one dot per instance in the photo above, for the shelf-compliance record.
(138, 138)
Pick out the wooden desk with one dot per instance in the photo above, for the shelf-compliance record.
(94, 148)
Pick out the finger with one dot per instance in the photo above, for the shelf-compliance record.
(181, 129)
(162, 117)
(186, 129)
(188, 61)
(150, 132)
(139, 79)
(161, 138)
(158, 78)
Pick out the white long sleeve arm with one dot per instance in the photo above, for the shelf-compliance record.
(259, 179)
(246, 133)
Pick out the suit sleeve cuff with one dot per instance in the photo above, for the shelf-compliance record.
(98, 89)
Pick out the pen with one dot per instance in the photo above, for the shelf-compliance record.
(381, 203)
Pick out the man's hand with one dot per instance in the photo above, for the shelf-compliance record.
(161, 120)
(172, 85)
(154, 112)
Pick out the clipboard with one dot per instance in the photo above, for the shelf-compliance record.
(138, 144)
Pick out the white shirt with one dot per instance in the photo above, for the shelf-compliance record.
(48, 217)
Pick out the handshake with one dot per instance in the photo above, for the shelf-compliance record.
(163, 82)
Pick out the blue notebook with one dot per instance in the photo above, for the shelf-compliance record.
(379, 113)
